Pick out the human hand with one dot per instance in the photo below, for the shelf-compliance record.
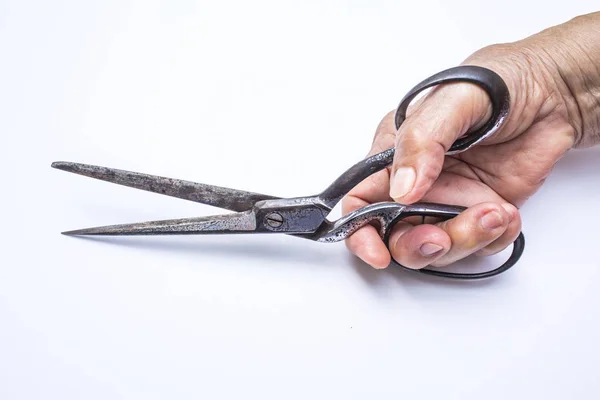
(555, 98)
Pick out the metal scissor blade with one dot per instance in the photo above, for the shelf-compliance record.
(244, 222)
(229, 199)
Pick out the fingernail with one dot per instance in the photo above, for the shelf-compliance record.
(402, 182)
(429, 249)
(491, 220)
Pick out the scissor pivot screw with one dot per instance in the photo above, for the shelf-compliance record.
(274, 220)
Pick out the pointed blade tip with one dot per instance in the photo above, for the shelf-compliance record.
(62, 165)
(70, 233)
(84, 232)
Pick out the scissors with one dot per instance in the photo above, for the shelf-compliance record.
(306, 217)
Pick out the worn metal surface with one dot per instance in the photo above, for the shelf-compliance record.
(229, 223)
(298, 215)
(386, 214)
(343, 228)
(229, 199)
(306, 217)
(354, 175)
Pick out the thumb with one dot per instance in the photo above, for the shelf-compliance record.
(431, 127)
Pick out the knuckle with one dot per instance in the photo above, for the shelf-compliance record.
(414, 137)
(351, 203)
(382, 141)
(385, 134)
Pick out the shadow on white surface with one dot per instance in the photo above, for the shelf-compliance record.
(280, 252)
(379, 278)
(232, 247)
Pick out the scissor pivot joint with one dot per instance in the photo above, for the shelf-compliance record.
(274, 220)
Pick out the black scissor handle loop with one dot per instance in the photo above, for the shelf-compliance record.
(488, 80)
(446, 212)
(499, 96)
(493, 85)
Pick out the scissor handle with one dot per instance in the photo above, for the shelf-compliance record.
(389, 214)
(444, 212)
(487, 79)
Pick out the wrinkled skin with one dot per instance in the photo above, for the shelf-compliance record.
(554, 84)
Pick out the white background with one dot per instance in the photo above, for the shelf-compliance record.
(277, 97)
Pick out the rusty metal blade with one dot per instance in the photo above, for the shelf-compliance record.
(244, 222)
(229, 199)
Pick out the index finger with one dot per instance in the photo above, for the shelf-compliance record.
(366, 243)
